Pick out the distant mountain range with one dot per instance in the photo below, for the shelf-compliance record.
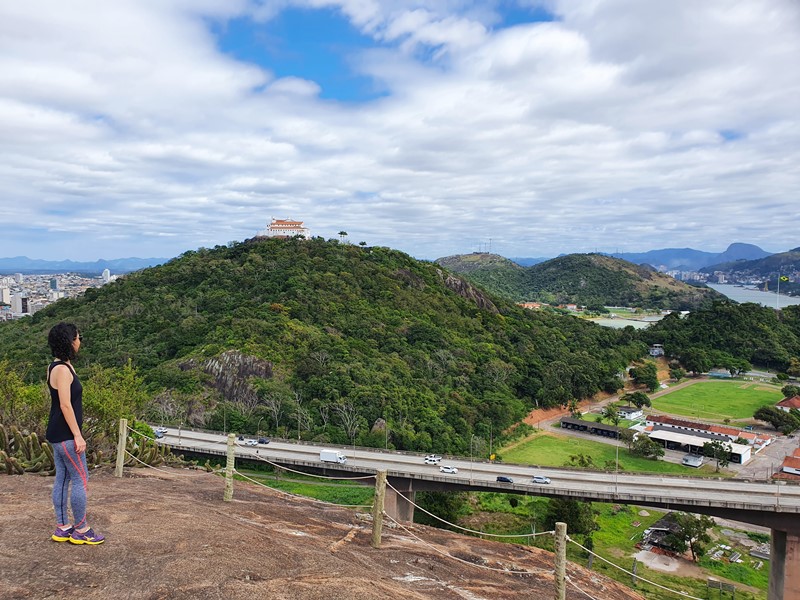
(687, 259)
(32, 266)
(682, 259)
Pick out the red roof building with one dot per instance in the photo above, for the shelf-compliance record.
(791, 464)
(285, 228)
(789, 403)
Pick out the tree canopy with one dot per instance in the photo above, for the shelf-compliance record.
(317, 326)
(730, 336)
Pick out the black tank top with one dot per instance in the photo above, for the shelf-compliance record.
(57, 428)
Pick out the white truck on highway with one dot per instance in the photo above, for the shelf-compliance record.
(332, 456)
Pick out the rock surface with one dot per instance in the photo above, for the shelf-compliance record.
(170, 535)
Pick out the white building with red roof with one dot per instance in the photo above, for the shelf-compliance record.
(788, 404)
(285, 228)
(791, 464)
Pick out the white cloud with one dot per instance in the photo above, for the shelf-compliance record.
(624, 125)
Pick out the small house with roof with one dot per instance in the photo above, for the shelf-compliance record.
(788, 404)
(629, 412)
(791, 464)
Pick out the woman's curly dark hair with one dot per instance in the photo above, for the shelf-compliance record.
(60, 339)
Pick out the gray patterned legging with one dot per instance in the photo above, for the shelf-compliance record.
(70, 469)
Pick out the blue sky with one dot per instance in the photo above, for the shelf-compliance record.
(431, 126)
(314, 44)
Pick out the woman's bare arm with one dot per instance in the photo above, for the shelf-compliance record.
(61, 379)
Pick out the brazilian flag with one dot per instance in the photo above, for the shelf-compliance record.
(784, 278)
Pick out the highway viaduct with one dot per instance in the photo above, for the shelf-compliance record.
(770, 504)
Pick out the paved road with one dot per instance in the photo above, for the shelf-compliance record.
(625, 487)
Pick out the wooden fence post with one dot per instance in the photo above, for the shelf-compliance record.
(377, 508)
(561, 561)
(122, 442)
(229, 465)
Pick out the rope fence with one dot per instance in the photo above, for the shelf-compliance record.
(497, 535)
(250, 479)
(461, 560)
(580, 589)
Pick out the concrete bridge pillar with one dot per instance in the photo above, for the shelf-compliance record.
(396, 504)
(784, 565)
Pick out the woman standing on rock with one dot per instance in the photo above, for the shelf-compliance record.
(65, 436)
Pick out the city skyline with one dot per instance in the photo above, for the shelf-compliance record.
(547, 127)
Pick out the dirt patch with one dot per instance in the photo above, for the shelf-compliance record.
(173, 537)
(667, 564)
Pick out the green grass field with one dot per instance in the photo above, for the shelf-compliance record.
(337, 492)
(550, 449)
(718, 400)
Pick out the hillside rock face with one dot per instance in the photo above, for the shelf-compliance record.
(231, 372)
(468, 291)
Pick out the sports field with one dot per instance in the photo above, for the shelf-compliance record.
(550, 449)
(716, 401)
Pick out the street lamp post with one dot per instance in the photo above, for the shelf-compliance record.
(616, 470)
(471, 458)
(258, 427)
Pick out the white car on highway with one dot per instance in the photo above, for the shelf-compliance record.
(540, 479)
(251, 443)
(448, 469)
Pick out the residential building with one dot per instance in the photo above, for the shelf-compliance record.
(788, 404)
(791, 464)
(629, 412)
(530, 305)
(19, 304)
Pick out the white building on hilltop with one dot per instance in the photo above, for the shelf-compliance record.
(285, 228)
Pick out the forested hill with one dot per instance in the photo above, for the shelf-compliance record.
(593, 280)
(297, 332)
(599, 280)
(491, 271)
(726, 333)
